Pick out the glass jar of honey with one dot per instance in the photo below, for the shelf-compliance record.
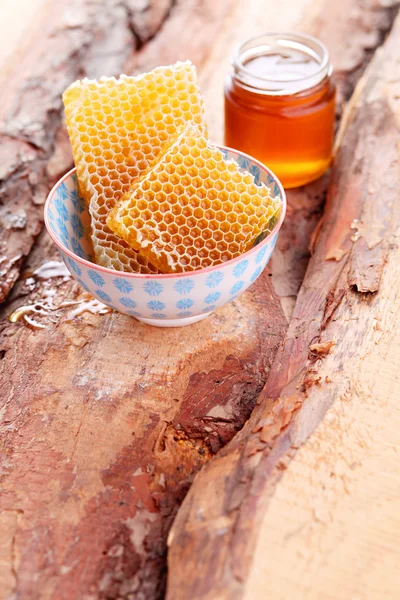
(280, 105)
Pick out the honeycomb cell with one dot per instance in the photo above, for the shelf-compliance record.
(117, 126)
(211, 238)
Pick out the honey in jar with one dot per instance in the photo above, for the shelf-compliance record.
(280, 105)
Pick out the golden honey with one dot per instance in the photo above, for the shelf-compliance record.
(280, 105)
(117, 128)
(193, 209)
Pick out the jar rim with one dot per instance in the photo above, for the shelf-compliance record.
(258, 45)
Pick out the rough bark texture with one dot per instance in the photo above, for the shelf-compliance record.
(86, 38)
(82, 38)
(351, 31)
(106, 421)
(99, 453)
(341, 353)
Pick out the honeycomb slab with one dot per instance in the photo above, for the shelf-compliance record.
(117, 128)
(193, 209)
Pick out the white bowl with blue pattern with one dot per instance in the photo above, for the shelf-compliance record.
(170, 300)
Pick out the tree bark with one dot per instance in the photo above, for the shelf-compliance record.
(340, 356)
(64, 43)
(106, 421)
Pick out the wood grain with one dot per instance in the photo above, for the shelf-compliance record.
(65, 41)
(322, 493)
(106, 421)
(351, 31)
(345, 524)
(99, 453)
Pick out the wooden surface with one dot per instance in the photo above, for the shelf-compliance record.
(105, 421)
(308, 497)
(96, 464)
(345, 525)
(63, 42)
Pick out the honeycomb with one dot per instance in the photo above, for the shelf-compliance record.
(193, 209)
(117, 128)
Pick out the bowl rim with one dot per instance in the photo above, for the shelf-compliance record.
(114, 272)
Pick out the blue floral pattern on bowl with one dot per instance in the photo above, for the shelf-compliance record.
(164, 300)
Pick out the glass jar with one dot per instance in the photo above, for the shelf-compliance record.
(280, 105)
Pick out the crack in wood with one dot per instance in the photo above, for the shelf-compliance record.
(142, 24)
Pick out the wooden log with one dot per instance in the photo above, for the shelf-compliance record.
(105, 421)
(63, 43)
(77, 481)
(351, 31)
(304, 501)
(90, 39)
(103, 429)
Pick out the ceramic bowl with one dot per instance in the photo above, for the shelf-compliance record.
(162, 300)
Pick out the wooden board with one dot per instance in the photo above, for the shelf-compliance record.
(106, 421)
(304, 502)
